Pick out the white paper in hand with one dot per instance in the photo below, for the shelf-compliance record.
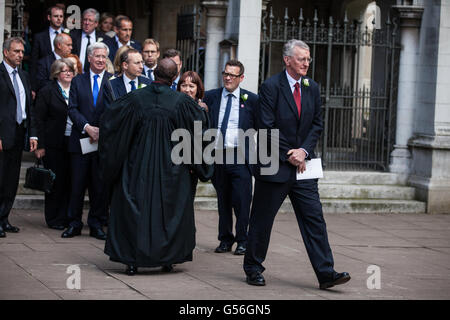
(87, 146)
(313, 170)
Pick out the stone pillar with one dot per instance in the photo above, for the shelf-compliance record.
(215, 31)
(410, 18)
(249, 42)
(431, 143)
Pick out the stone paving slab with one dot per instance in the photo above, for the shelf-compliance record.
(411, 250)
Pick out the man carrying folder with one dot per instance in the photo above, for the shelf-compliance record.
(86, 105)
(290, 102)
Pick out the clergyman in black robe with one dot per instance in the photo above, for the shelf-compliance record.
(151, 206)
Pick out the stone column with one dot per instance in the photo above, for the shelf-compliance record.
(2, 25)
(249, 42)
(431, 142)
(215, 31)
(410, 18)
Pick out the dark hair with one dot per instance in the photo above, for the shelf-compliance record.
(119, 19)
(236, 63)
(165, 71)
(195, 78)
(170, 53)
(58, 7)
(126, 53)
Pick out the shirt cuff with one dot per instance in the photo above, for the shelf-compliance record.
(34, 138)
(307, 154)
(84, 128)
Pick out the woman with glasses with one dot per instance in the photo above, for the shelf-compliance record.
(54, 127)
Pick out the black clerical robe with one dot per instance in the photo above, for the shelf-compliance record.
(152, 214)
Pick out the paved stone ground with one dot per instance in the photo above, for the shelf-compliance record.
(412, 252)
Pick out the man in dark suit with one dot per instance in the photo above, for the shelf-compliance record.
(87, 35)
(85, 109)
(131, 79)
(63, 47)
(43, 41)
(15, 120)
(123, 27)
(232, 108)
(175, 55)
(290, 102)
(150, 54)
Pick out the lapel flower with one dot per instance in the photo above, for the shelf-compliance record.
(66, 31)
(244, 97)
(141, 85)
(100, 39)
(305, 82)
(242, 105)
(112, 78)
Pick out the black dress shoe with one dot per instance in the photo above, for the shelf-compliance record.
(256, 279)
(57, 227)
(240, 250)
(71, 232)
(167, 268)
(7, 227)
(97, 233)
(131, 270)
(339, 278)
(2, 233)
(223, 247)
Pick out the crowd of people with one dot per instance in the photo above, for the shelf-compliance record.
(99, 109)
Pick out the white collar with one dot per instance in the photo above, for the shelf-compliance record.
(127, 80)
(235, 93)
(52, 31)
(91, 35)
(292, 81)
(120, 43)
(92, 74)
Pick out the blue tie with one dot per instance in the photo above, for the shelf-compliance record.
(174, 86)
(19, 103)
(226, 116)
(150, 74)
(133, 86)
(95, 90)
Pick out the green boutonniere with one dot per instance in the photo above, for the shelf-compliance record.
(305, 82)
(244, 97)
(141, 85)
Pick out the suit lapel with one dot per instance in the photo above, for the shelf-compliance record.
(305, 100)
(218, 100)
(7, 79)
(105, 78)
(242, 105)
(287, 92)
(120, 85)
(58, 93)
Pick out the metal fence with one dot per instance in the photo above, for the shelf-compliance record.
(190, 41)
(359, 113)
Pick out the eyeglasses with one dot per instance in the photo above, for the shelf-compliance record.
(66, 71)
(232, 76)
(303, 60)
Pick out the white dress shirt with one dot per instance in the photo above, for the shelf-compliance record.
(52, 34)
(99, 82)
(84, 42)
(119, 44)
(22, 94)
(231, 137)
(126, 82)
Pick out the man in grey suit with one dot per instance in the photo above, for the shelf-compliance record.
(15, 120)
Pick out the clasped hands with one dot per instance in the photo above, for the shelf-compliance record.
(297, 158)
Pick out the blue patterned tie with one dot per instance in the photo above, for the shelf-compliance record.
(226, 117)
(133, 86)
(95, 90)
(19, 103)
(174, 86)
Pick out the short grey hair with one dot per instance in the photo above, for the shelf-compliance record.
(59, 39)
(58, 65)
(95, 46)
(92, 11)
(291, 44)
(7, 43)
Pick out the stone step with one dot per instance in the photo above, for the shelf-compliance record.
(36, 202)
(340, 206)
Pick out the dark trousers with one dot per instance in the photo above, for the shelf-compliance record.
(233, 184)
(10, 162)
(57, 202)
(85, 173)
(304, 196)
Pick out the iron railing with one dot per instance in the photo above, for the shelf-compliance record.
(359, 117)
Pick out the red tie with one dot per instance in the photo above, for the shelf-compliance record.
(297, 98)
